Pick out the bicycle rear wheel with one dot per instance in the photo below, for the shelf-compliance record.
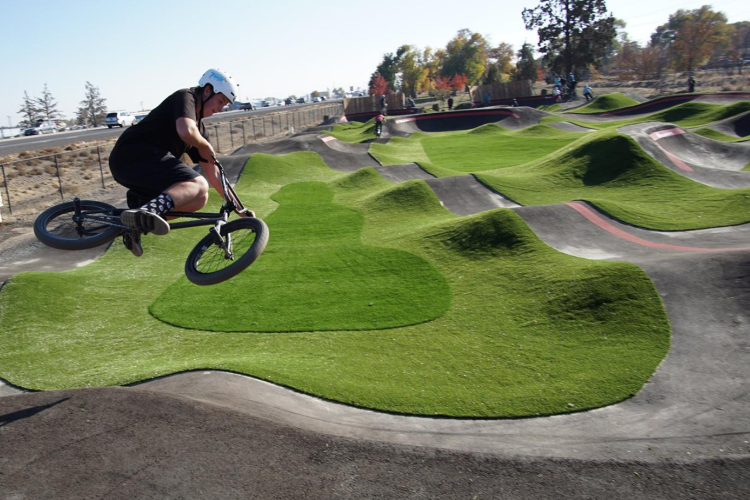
(207, 264)
(57, 226)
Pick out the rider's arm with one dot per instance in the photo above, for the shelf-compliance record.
(188, 131)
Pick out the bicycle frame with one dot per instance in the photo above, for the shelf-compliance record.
(112, 218)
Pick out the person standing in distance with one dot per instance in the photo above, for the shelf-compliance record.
(147, 157)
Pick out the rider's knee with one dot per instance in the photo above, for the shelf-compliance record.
(201, 186)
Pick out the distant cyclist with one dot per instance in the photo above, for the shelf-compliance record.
(587, 93)
(379, 122)
(147, 157)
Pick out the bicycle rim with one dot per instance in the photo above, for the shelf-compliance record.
(208, 264)
(55, 226)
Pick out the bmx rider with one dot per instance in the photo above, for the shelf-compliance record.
(147, 157)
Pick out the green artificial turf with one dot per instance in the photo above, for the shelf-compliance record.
(484, 148)
(689, 114)
(354, 132)
(612, 172)
(527, 330)
(550, 108)
(718, 136)
(316, 275)
(606, 102)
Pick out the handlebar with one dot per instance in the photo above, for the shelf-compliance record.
(233, 203)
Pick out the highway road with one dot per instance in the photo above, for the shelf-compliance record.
(61, 139)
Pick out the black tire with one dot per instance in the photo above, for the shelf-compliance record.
(207, 265)
(56, 228)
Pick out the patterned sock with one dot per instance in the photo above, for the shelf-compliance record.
(159, 205)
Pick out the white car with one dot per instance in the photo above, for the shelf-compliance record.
(119, 119)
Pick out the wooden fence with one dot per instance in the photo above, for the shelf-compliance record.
(371, 103)
(499, 91)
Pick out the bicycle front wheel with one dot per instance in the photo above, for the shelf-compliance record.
(58, 226)
(209, 264)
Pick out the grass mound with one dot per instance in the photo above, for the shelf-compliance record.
(614, 173)
(487, 147)
(354, 132)
(316, 276)
(606, 102)
(718, 136)
(516, 328)
(689, 114)
(694, 114)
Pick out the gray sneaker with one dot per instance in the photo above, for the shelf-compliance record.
(132, 242)
(145, 221)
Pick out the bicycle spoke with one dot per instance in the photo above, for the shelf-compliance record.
(213, 258)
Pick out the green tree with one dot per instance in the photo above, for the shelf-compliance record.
(526, 68)
(388, 68)
(92, 109)
(47, 105)
(573, 34)
(413, 71)
(492, 75)
(499, 64)
(29, 111)
(466, 54)
(432, 61)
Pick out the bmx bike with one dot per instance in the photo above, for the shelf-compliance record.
(228, 249)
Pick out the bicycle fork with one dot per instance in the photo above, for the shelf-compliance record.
(225, 243)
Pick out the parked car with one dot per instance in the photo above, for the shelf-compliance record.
(300, 100)
(265, 104)
(119, 119)
(41, 127)
(316, 99)
(246, 106)
(138, 118)
(288, 101)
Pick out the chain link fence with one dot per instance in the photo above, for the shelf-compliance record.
(34, 182)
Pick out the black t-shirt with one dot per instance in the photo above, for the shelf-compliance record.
(159, 129)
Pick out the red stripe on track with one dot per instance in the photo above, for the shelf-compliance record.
(592, 216)
(453, 114)
(669, 133)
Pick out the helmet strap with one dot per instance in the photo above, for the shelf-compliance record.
(203, 102)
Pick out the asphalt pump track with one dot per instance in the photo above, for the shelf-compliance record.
(216, 434)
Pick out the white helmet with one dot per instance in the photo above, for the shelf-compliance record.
(221, 83)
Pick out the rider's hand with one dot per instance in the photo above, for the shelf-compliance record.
(247, 213)
(207, 151)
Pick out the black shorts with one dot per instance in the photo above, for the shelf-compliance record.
(146, 170)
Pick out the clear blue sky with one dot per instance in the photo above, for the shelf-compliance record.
(139, 51)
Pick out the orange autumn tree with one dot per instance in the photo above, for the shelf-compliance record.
(379, 86)
(441, 88)
(458, 82)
